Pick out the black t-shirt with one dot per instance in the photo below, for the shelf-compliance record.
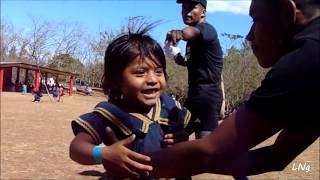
(204, 60)
(289, 96)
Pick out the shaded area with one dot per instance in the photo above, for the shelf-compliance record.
(91, 173)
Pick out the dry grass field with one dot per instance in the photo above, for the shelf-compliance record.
(35, 139)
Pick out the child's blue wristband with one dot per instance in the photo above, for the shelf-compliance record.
(97, 154)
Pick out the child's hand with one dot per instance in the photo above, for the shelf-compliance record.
(176, 137)
(119, 161)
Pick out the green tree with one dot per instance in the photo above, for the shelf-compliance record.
(67, 63)
(177, 80)
(241, 74)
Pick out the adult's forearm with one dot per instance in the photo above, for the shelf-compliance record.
(276, 157)
(214, 153)
(184, 159)
(257, 161)
(254, 162)
(195, 157)
(288, 145)
(263, 160)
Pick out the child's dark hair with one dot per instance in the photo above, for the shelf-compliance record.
(122, 50)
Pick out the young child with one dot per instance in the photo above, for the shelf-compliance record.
(55, 91)
(134, 79)
(60, 93)
(37, 94)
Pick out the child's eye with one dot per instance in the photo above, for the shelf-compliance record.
(139, 72)
(159, 71)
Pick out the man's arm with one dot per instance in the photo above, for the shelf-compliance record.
(174, 36)
(288, 145)
(187, 34)
(190, 33)
(238, 133)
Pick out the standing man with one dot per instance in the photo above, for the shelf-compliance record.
(203, 59)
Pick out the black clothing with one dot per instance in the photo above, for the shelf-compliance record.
(204, 63)
(289, 94)
(204, 57)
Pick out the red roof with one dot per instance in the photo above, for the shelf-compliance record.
(36, 67)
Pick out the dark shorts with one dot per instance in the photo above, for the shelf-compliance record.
(204, 103)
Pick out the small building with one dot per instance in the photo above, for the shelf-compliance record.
(22, 71)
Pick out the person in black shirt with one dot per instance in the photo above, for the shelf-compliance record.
(203, 59)
(285, 36)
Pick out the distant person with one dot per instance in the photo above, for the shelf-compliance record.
(285, 37)
(88, 90)
(55, 91)
(24, 89)
(38, 94)
(51, 83)
(134, 80)
(60, 93)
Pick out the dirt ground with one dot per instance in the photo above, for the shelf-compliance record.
(35, 139)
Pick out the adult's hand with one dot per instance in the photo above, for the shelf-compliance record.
(173, 37)
(176, 137)
(119, 161)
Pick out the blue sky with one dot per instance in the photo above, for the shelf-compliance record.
(105, 15)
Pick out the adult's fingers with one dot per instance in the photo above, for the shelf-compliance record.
(138, 165)
(176, 36)
(138, 157)
(169, 141)
(169, 37)
(170, 135)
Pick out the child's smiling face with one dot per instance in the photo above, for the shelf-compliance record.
(142, 83)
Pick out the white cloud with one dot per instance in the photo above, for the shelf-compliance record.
(237, 7)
